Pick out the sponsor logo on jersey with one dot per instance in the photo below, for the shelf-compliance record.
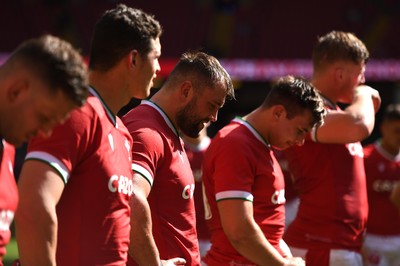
(6, 218)
(188, 192)
(120, 184)
(278, 197)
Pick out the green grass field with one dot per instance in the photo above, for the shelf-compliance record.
(12, 253)
(12, 249)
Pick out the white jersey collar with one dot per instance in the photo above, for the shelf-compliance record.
(252, 130)
(163, 114)
(109, 113)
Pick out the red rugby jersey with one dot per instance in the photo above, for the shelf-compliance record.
(330, 180)
(8, 194)
(383, 172)
(240, 164)
(159, 156)
(91, 151)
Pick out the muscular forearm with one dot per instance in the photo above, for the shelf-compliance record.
(142, 247)
(257, 249)
(37, 238)
(40, 188)
(365, 104)
(353, 124)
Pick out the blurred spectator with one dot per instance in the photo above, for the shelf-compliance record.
(382, 168)
(395, 195)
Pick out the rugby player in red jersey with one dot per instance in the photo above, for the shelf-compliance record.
(76, 184)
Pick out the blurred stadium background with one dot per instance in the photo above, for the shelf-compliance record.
(256, 40)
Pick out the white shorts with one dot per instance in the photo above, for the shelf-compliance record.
(291, 208)
(381, 250)
(337, 257)
(204, 246)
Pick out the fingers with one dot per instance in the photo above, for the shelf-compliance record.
(295, 261)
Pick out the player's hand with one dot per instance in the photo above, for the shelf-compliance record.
(173, 261)
(376, 98)
(294, 261)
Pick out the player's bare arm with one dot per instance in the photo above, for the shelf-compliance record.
(353, 124)
(246, 236)
(40, 188)
(142, 246)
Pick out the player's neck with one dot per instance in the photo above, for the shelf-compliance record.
(195, 141)
(163, 99)
(260, 120)
(110, 90)
(325, 88)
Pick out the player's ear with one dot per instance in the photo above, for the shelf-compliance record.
(339, 73)
(17, 89)
(278, 111)
(186, 90)
(133, 57)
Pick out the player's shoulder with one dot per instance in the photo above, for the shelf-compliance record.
(92, 113)
(140, 117)
(230, 143)
(148, 134)
(223, 137)
(88, 110)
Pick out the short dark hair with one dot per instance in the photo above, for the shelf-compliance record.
(296, 94)
(57, 63)
(204, 69)
(338, 45)
(119, 31)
